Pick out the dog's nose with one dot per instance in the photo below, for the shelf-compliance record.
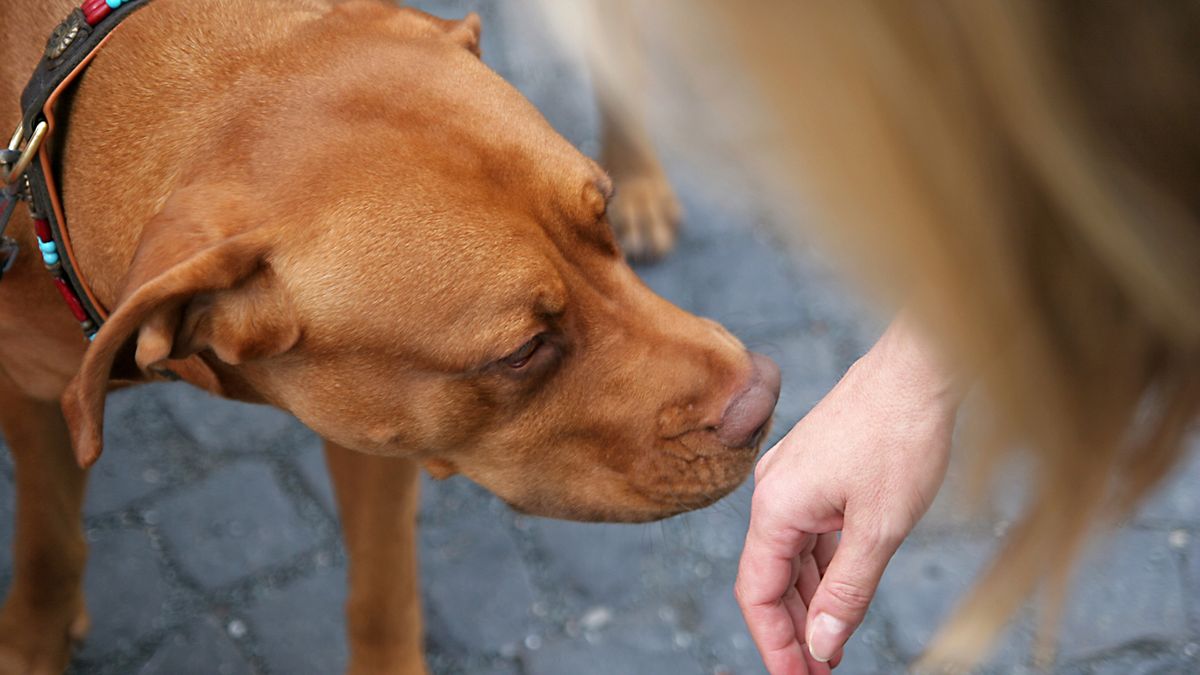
(748, 413)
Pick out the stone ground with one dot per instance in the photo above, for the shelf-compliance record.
(214, 540)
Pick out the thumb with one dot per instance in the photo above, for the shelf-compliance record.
(846, 590)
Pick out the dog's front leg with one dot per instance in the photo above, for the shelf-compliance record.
(645, 212)
(44, 611)
(377, 499)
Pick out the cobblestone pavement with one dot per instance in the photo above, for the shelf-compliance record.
(214, 543)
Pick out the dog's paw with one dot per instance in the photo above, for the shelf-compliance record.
(645, 214)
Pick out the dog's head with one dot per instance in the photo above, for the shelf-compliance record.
(415, 264)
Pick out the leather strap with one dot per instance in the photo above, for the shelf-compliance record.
(69, 51)
(71, 44)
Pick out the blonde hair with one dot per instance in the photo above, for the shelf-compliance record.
(1026, 175)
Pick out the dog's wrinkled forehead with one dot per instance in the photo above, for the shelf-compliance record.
(431, 190)
(425, 123)
(446, 268)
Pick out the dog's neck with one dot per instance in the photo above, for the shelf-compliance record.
(114, 176)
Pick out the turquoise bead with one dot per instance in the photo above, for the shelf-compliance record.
(113, 4)
(50, 258)
(47, 246)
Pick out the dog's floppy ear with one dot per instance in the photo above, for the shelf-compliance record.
(200, 280)
(466, 31)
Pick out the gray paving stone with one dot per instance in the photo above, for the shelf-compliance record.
(1128, 590)
(143, 451)
(809, 366)
(741, 280)
(235, 522)
(669, 279)
(923, 584)
(724, 635)
(200, 648)
(603, 562)
(474, 577)
(446, 502)
(645, 641)
(1177, 502)
(430, 493)
(718, 195)
(301, 628)
(1188, 549)
(578, 657)
(1145, 660)
(127, 592)
(310, 459)
(222, 426)
(867, 652)
(716, 533)
(707, 272)
(440, 664)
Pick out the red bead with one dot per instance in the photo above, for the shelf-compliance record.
(72, 301)
(42, 228)
(94, 11)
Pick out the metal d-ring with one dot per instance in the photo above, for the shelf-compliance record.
(27, 153)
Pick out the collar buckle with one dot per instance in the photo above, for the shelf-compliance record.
(23, 154)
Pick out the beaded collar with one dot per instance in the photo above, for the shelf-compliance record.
(27, 166)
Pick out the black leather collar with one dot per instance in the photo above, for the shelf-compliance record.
(69, 50)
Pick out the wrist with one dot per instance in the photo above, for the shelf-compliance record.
(904, 362)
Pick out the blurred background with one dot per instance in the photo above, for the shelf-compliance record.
(214, 539)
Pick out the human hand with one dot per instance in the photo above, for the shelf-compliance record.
(867, 460)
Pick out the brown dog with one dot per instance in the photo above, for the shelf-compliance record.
(339, 210)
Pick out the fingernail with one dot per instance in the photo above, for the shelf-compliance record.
(826, 636)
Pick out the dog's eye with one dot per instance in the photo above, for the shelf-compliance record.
(520, 358)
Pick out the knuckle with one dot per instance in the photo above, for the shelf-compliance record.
(889, 534)
(891, 538)
(768, 507)
(763, 465)
(762, 499)
(849, 594)
(883, 534)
